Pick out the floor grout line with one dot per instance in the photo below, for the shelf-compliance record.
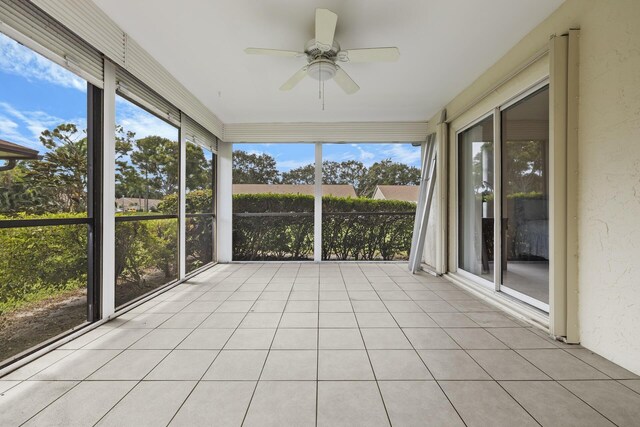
(214, 359)
(387, 278)
(156, 365)
(499, 381)
(101, 366)
(270, 346)
(416, 351)
(375, 376)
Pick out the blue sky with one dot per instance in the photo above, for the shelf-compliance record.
(291, 156)
(37, 94)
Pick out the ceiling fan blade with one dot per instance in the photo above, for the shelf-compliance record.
(345, 82)
(374, 54)
(325, 28)
(295, 79)
(272, 52)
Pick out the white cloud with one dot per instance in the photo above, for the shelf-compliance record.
(22, 61)
(293, 164)
(338, 157)
(25, 127)
(364, 155)
(403, 153)
(143, 124)
(9, 131)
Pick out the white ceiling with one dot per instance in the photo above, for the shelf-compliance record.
(444, 46)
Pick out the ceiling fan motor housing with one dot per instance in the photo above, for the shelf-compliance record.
(313, 51)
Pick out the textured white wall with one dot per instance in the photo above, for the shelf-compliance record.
(609, 186)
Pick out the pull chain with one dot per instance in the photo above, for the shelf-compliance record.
(321, 86)
(320, 81)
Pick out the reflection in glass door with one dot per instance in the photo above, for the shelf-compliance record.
(525, 197)
(476, 199)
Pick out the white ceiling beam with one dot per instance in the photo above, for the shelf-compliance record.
(326, 132)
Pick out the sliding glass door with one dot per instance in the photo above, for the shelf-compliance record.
(525, 198)
(475, 199)
(519, 264)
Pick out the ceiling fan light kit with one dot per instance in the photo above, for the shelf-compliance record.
(322, 69)
(322, 53)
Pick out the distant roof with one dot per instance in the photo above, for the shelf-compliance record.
(9, 150)
(344, 190)
(407, 193)
(129, 202)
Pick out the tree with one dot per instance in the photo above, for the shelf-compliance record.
(347, 172)
(388, 172)
(302, 175)
(128, 181)
(57, 182)
(524, 168)
(198, 169)
(251, 168)
(331, 173)
(157, 161)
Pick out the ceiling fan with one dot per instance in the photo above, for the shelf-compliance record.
(323, 52)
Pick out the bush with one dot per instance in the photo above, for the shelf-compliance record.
(273, 237)
(38, 261)
(199, 242)
(198, 201)
(379, 231)
(143, 246)
(199, 231)
(352, 228)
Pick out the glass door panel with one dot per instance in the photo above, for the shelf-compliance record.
(525, 197)
(476, 199)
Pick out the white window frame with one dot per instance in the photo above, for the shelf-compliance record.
(496, 285)
(500, 287)
(456, 212)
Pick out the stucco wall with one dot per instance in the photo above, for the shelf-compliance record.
(609, 165)
(609, 195)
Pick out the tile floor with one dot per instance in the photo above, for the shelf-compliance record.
(329, 345)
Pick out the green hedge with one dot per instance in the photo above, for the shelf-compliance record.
(383, 233)
(198, 201)
(39, 261)
(276, 237)
(199, 230)
(142, 246)
(345, 235)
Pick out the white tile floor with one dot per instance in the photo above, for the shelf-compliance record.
(329, 345)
